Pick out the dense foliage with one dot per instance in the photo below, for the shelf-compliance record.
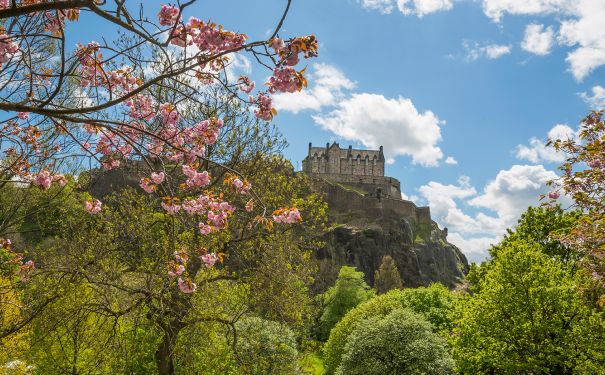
(401, 342)
(527, 316)
(434, 303)
(349, 290)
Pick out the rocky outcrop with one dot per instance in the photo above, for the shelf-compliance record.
(362, 237)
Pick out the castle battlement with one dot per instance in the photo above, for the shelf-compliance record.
(359, 170)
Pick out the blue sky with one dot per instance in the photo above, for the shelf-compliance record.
(461, 93)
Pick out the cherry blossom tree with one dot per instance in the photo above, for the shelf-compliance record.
(111, 102)
(583, 179)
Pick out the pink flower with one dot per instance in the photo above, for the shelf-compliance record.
(209, 259)
(8, 48)
(93, 206)
(23, 115)
(287, 216)
(60, 179)
(250, 205)
(186, 286)
(245, 84)
(157, 178)
(168, 15)
(554, 195)
(206, 229)
(4, 4)
(181, 256)
(43, 179)
(141, 107)
(147, 185)
(286, 79)
(195, 178)
(265, 109)
(175, 270)
(26, 269)
(170, 207)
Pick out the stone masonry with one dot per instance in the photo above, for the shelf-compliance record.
(350, 172)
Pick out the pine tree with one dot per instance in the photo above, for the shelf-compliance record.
(387, 276)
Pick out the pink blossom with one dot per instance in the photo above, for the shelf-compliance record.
(60, 179)
(147, 185)
(195, 178)
(245, 84)
(209, 259)
(26, 269)
(170, 207)
(175, 270)
(8, 48)
(169, 114)
(23, 115)
(43, 179)
(4, 4)
(242, 187)
(186, 286)
(287, 216)
(265, 109)
(179, 37)
(93, 206)
(250, 205)
(181, 256)
(206, 229)
(168, 15)
(157, 178)
(554, 195)
(286, 79)
(141, 107)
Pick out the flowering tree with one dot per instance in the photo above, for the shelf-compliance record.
(583, 179)
(115, 101)
(109, 103)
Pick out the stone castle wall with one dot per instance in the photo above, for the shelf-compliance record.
(334, 160)
(344, 200)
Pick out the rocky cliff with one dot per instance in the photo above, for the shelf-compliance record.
(362, 236)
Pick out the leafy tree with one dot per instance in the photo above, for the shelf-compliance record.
(583, 176)
(401, 342)
(528, 317)
(265, 347)
(544, 225)
(349, 290)
(435, 303)
(387, 276)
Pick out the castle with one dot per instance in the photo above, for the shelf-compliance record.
(357, 181)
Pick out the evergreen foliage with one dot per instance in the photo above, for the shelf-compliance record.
(387, 276)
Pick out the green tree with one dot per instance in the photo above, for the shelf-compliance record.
(387, 276)
(435, 303)
(348, 291)
(265, 347)
(528, 317)
(402, 342)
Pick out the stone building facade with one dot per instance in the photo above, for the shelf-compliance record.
(363, 171)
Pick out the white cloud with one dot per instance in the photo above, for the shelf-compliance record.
(418, 8)
(451, 161)
(510, 193)
(383, 6)
(474, 51)
(396, 124)
(475, 248)
(327, 87)
(506, 197)
(495, 9)
(597, 100)
(538, 40)
(537, 151)
(588, 34)
(421, 8)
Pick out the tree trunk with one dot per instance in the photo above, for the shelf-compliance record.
(164, 355)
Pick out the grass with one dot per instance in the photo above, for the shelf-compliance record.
(311, 364)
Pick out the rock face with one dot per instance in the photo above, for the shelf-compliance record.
(362, 237)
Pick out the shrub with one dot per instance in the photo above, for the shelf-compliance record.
(435, 303)
(402, 342)
(265, 347)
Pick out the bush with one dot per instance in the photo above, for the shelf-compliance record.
(435, 303)
(349, 291)
(265, 347)
(403, 342)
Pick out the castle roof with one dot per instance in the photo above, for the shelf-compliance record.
(345, 152)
